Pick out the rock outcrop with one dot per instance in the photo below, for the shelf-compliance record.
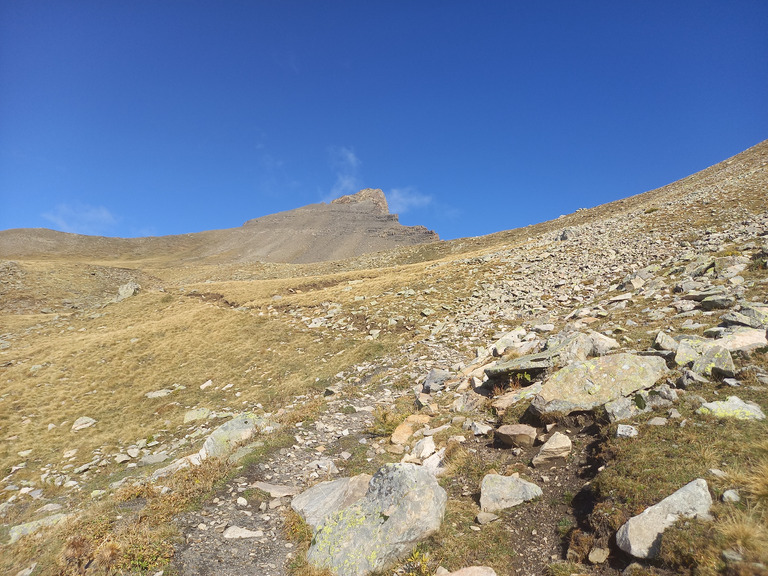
(404, 505)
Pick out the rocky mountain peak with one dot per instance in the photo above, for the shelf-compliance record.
(373, 195)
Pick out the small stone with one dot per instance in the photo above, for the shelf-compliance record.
(731, 496)
(480, 429)
(82, 423)
(401, 434)
(598, 555)
(242, 501)
(483, 518)
(237, 532)
(120, 458)
(158, 393)
(205, 385)
(657, 421)
(626, 431)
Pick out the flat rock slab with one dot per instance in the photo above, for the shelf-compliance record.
(744, 339)
(589, 384)
(234, 532)
(82, 423)
(472, 571)
(500, 492)
(16, 532)
(276, 490)
(640, 536)
(516, 435)
(326, 498)
(732, 407)
(404, 505)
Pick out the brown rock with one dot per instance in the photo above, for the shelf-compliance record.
(516, 435)
(401, 434)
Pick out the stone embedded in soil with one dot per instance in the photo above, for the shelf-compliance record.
(516, 435)
(499, 492)
(470, 571)
(626, 431)
(404, 505)
(640, 536)
(238, 532)
(401, 434)
(554, 450)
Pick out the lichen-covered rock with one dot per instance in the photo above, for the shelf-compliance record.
(404, 505)
(224, 439)
(501, 492)
(326, 498)
(640, 536)
(586, 385)
(733, 407)
(16, 532)
(715, 361)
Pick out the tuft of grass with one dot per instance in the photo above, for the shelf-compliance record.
(298, 532)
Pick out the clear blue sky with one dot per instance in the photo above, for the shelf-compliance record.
(132, 118)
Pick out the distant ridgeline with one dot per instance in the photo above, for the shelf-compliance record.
(347, 227)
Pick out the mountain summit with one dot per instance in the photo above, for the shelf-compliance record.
(372, 195)
(349, 226)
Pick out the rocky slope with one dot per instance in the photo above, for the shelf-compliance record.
(347, 227)
(603, 362)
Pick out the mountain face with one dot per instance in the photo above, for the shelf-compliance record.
(349, 226)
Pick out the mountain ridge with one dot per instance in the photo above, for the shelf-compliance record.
(347, 227)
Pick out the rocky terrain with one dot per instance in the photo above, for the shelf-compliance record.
(347, 227)
(584, 396)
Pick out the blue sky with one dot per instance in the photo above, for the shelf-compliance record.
(153, 118)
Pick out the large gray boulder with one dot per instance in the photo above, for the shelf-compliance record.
(403, 506)
(325, 498)
(640, 536)
(500, 492)
(589, 384)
